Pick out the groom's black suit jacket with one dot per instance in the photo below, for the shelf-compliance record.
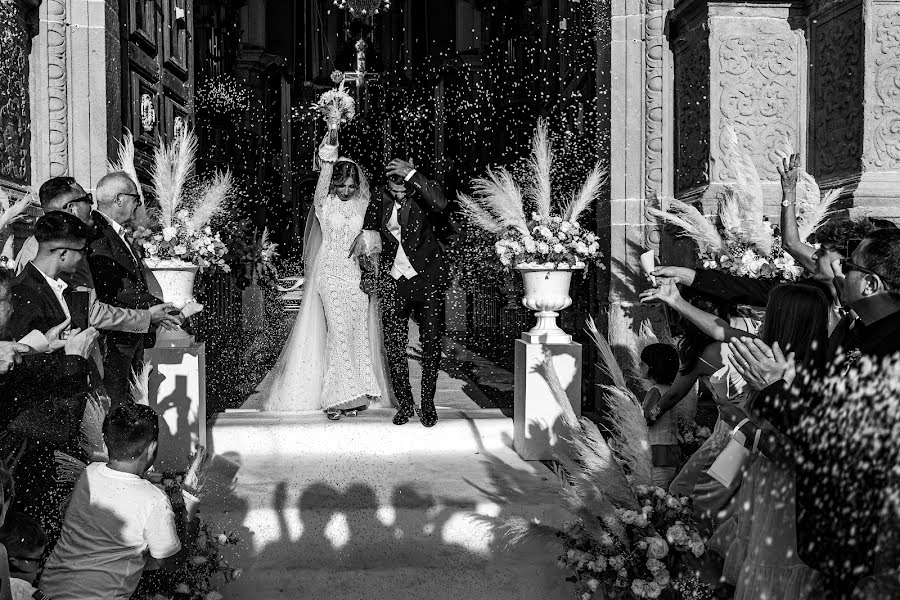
(420, 217)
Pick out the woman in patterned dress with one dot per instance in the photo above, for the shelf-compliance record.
(333, 359)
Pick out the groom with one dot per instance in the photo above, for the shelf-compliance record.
(414, 279)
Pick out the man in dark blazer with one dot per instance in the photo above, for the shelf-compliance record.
(414, 279)
(117, 271)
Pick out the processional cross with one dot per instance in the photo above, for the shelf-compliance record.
(361, 77)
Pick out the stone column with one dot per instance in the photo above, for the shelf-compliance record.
(640, 155)
(741, 65)
(68, 83)
(855, 101)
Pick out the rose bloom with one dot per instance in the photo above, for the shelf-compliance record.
(657, 547)
(558, 249)
(677, 534)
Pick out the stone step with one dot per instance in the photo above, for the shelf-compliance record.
(361, 508)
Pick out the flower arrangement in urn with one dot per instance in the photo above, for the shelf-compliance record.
(548, 239)
(180, 232)
(626, 537)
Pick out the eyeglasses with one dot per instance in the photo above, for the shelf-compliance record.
(84, 250)
(137, 197)
(87, 199)
(849, 265)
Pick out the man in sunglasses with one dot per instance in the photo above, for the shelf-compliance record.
(66, 195)
(414, 279)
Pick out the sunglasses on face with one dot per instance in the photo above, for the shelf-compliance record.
(396, 179)
(25, 564)
(84, 250)
(87, 199)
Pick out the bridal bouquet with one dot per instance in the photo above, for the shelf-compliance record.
(181, 230)
(627, 538)
(336, 106)
(691, 436)
(547, 238)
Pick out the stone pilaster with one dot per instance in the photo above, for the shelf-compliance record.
(741, 65)
(68, 82)
(640, 154)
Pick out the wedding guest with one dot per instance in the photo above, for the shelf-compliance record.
(116, 520)
(66, 195)
(25, 542)
(117, 269)
(7, 492)
(759, 542)
(837, 533)
(659, 365)
(10, 352)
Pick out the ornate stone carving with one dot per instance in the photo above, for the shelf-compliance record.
(758, 77)
(692, 115)
(57, 87)
(837, 94)
(15, 118)
(179, 126)
(885, 110)
(654, 74)
(148, 114)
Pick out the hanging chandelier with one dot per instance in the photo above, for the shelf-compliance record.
(363, 8)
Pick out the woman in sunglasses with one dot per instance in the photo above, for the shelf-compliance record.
(333, 358)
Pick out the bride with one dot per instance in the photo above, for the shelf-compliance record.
(333, 359)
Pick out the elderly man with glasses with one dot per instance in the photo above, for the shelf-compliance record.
(117, 269)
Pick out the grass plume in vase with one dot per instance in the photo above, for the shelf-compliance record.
(626, 538)
(549, 236)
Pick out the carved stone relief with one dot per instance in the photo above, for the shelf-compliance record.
(758, 80)
(884, 112)
(837, 94)
(148, 114)
(15, 118)
(655, 75)
(57, 87)
(692, 115)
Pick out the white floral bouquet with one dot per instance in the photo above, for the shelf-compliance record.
(627, 538)
(182, 243)
(745, 261)
(551, 240)
(180, 230)
(336, 106)
(498, 207)
(642, 565)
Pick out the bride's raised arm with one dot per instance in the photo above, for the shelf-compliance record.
(328, 155)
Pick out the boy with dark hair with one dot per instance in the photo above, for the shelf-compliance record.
(25, 542)
(116, 520)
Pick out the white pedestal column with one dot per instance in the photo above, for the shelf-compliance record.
(536, 413)
(178, 394)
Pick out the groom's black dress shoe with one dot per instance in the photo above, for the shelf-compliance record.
(427, 414)
(403, 415)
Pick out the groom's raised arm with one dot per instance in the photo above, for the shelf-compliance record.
(430, 190)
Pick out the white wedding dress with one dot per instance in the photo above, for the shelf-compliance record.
(334, 357)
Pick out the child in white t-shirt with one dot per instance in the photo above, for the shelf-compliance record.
(25, 542)
(116, 520)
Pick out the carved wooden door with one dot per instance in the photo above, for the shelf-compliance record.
(157, 68)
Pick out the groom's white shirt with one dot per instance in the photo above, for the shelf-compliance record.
(402, 267)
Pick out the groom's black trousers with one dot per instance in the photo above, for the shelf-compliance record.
(423, 300)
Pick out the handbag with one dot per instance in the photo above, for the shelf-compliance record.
(730, 462)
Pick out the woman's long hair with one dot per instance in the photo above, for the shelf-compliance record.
(342, 170)
(694, 341)
(797, 318)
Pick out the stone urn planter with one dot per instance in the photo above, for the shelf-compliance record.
(174, 283)
(547, 293)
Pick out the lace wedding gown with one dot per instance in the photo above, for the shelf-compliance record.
(333, 358)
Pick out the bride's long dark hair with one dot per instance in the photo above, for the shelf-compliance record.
(344, 169)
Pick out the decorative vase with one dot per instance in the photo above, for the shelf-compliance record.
(547, 293)
(173, 282)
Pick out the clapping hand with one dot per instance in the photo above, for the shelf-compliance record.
(760, 365)
(161, 315)
(80, 343)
